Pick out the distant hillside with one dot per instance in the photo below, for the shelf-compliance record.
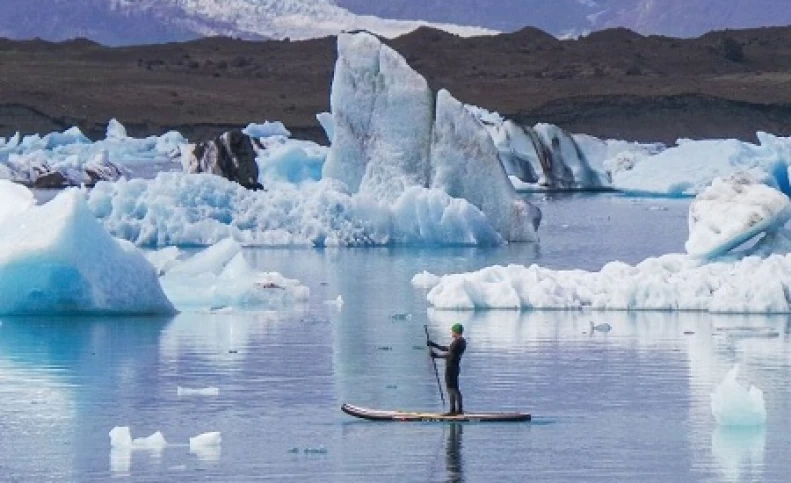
(613, 83)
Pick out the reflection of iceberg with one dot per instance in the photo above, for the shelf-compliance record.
(739, 450)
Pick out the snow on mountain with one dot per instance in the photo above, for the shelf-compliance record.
(678, 18)
(115, 22)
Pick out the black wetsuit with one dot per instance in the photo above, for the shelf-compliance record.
(452, 357)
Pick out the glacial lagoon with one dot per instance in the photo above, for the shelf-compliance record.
(619, 405)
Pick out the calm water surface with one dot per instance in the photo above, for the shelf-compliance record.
(632, 404)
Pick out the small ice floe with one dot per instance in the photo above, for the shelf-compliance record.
(337, 302)
(425, 280)
(657, 208)
(206, 446)
(121, 437)
(206, 391)
(748, 332)
(401, 316)
(605, 327)
(735, 405)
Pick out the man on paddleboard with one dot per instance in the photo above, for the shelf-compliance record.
(452, 355)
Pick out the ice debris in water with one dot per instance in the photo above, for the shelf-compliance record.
(206, 439)
(735, 405)
(425, 280)
(337, 302)
(206, 391)
(121, 437)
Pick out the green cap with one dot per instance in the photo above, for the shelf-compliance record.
(457, 329)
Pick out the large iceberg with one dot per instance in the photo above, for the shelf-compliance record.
(754, 280)
(382, 116)
(389, 136)
(57, 258)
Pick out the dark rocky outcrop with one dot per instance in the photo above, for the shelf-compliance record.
(230, 155)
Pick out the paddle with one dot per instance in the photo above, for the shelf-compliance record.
(436, 373)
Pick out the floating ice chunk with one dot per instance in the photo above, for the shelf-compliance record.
(425, 280)
(266, 129)
(14, 199)
(205, 391)
(56, 258)
(206, 446)
(688, 168)
(206, 439)
(735, 405)
(669, 282)
(121, 437)
(732, 211)
(220, 277)
(337, 302)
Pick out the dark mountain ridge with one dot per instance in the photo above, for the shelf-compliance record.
(613, 83)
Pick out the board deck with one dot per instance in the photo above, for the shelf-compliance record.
(379, 415)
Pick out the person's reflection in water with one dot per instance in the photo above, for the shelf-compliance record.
(453, 462)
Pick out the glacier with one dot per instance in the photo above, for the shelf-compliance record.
(58, 259)
(713, 276)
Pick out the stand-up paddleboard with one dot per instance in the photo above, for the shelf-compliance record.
(378, 415)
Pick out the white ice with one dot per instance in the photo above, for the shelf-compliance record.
(203, 391)
(201, 209)
(690, 166)
(266, 129)
(390, 137)
(382, 113)
(121, 437)
(756, 279)
(14, 199)
(289, 160)
(219, 276)
(206, 446)
(731, 211)
(425, 280)
(57, 258)
(70, 152)
(733, 404)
